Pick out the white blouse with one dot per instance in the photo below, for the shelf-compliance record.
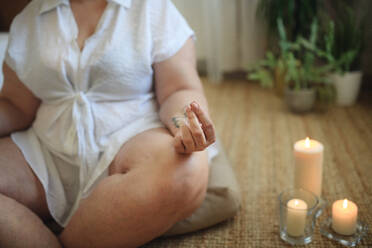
(93, 100)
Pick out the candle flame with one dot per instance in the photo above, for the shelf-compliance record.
(344, 204)
(296, 203)
(307, 142)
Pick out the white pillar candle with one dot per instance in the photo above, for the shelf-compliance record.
(308, 155)
(344, 217)
(296, 217)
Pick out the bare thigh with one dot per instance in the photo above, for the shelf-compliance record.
(17, 180)
(152, 149)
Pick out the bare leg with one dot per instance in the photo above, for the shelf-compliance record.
(22, 202)
(20, 227)
(151, 187)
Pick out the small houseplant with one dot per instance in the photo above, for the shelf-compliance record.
(303, 77)
(296, 15)
(343, 47)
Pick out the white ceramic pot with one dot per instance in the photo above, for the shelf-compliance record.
(347, 87)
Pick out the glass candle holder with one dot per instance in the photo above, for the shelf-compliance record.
(361, 231)
(298, 213)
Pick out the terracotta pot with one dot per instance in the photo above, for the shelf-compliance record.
(300, 100)
(347, 87)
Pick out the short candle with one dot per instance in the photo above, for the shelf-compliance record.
(296, 217)
(344, 217)
(308, 154)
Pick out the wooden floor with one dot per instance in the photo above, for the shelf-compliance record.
(258, 132)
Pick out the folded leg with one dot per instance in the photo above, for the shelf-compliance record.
(22, 202)
(149, 189)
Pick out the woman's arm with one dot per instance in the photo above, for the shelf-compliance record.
(18, 106)
(178, 85)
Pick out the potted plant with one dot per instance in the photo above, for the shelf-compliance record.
(343, 47)
(304, 79)
(296, 15)
(299, 93)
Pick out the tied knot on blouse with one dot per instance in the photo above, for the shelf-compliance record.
(81, 98)
(82, 128)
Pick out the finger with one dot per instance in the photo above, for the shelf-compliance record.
(187, 139)
(207, 125)
(196, 130)
(178, 145)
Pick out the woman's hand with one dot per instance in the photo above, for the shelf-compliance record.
(195, 131)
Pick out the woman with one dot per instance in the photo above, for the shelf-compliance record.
(107, 120)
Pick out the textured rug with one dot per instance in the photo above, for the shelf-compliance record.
(258, 133)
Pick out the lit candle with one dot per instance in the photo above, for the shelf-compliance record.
(296, 217)
(308, 155)
(344, 217)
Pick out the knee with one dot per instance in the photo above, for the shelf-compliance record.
(174, 184)
(182, 190)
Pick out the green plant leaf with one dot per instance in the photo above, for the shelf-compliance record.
(263, 76)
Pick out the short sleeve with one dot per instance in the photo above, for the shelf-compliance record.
(10, 52)
(16, 52)
(170, 30)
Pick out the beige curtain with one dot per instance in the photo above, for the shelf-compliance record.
(229, 36)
